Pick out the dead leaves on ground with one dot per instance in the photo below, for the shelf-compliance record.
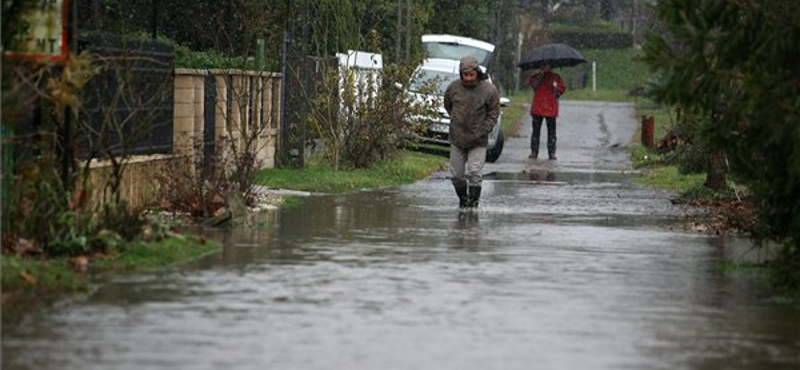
(720, 217)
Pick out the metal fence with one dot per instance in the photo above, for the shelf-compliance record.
(128, 106)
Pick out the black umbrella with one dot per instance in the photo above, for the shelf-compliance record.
(558, 55)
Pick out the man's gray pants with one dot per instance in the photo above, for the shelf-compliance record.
(466, 165)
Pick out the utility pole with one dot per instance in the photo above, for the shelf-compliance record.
(283, 147)
(634, 15)
(408, 30)
(517, 72)
(66, 143)
(398, 43)
(153, 19)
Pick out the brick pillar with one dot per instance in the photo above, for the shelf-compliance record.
(199, 114)
(184, 112)
(268, 155)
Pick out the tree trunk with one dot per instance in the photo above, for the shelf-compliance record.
(716, 178)
(607, 11)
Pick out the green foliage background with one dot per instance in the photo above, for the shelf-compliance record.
(734, 61)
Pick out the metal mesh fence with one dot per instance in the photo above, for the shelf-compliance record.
(128, 107)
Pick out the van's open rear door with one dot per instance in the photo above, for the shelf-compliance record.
(456, 47)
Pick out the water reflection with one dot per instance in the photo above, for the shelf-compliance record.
(539, 175)
(465, 232)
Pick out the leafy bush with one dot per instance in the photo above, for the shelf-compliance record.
(186, 57)
(361, 123)
(209, 59)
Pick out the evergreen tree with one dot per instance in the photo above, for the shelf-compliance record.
(735, 59)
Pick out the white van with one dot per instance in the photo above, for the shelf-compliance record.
(457, 47)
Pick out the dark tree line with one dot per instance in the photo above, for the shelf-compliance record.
(322, 28)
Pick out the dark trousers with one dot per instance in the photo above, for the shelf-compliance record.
(551, 135)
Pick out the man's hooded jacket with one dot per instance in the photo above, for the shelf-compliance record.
(474, 109)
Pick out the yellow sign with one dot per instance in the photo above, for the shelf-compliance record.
(44, 35)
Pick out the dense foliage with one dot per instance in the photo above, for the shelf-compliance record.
(734, 62)
(324, 27)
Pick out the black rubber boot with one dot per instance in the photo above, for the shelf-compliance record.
(474, 196)
(461, 191)
(537, 127)
(551, 139)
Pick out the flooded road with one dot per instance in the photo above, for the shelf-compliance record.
(566, 265)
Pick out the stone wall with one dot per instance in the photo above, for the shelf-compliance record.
(245, 113)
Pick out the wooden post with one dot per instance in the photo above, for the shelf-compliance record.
(648, 128)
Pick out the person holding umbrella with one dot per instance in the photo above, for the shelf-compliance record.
(548, 86)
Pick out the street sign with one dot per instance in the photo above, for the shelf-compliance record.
(45, 35)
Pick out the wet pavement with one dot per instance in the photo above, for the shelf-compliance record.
(566, 265)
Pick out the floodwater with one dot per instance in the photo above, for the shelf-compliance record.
(566, 265)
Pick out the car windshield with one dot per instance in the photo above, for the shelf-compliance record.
(456, 51)
(432, 79)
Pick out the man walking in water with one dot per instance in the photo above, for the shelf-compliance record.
(474, 106)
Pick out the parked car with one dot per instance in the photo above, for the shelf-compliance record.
(438, 70)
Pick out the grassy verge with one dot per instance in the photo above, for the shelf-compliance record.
(667, 177)
(616, 70)
(514, 113)
(31, 284)
(148, 256)
(599, 95)
(317, 177)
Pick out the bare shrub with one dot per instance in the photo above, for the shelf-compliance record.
(364, 122)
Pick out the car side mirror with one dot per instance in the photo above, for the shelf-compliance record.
(504, 102)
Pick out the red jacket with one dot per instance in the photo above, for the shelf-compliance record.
(545, 95)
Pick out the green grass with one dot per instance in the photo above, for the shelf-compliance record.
(617, 69)
(599, 95)
(146, 256)
(30, 283)
(668, 178)
(317, 177)
(49, 274)
(514, 113)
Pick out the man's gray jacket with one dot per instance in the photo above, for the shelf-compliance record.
(473, 112)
